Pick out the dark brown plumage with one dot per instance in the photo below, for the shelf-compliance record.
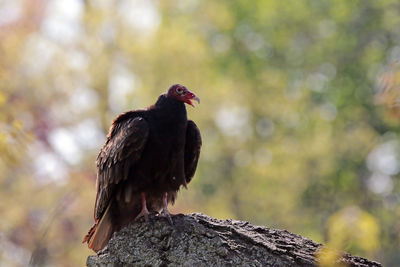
(147, 156)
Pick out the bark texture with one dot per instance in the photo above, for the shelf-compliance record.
(199, 240)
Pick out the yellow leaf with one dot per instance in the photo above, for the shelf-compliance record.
(17, 124)
(3, 138)
(353, 228)
(328, 257)
(2, 99)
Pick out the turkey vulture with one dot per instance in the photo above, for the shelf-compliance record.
(147, 156)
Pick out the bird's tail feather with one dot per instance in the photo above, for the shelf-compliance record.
(101, 232)
(90, 233)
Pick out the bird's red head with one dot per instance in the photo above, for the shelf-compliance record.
(181, 93)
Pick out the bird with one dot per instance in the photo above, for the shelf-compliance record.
(147, 156)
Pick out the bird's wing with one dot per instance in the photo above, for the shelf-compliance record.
(192, 149)
(122, 149)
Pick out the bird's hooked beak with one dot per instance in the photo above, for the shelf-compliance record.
(189, 97)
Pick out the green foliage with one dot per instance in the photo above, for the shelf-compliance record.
(299, 114)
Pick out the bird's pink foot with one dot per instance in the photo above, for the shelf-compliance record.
(164, 212)
(144, 212)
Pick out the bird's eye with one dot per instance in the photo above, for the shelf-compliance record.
(179, 90)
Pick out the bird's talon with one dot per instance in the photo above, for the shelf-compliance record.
(164, 211)
(170, 220)
(144, 213)
(166, 214)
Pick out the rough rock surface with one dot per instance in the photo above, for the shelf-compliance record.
(199, 240)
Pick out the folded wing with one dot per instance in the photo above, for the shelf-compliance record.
(123, 148)
(192, 149)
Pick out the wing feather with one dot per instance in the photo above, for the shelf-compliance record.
(123, 148)
(192, 149)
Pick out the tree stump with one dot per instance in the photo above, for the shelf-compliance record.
(199, 240)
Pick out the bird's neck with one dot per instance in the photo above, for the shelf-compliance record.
(170, 108)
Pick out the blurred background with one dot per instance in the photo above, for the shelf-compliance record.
(300, 114)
